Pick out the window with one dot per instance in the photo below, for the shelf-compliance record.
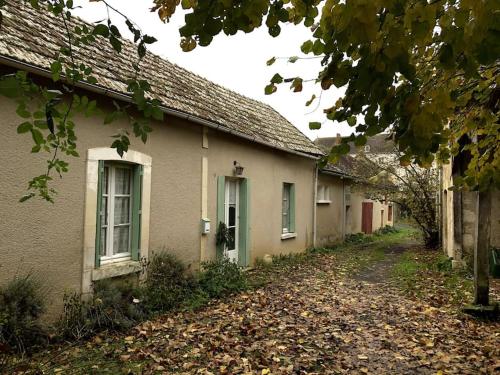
(367, 148)
(118, 218)
(323, 194)
(389, 214)
(288, 208)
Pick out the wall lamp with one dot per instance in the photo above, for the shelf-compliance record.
(238, 169)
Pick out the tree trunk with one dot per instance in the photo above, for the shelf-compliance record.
(481, 249)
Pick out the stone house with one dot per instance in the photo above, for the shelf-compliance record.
(217, 157)
(343, 198)
(459, 217)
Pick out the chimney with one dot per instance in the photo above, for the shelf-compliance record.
(339, 139)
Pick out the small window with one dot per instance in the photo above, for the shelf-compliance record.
(389, 214)
(323, 194)
(288, 208)
(120, 192)
(367, 148)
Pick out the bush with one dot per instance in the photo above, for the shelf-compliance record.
(113, 305)
(21, 305)
(221, 278)
(444, 264)
(168, 283)
(388, 229)
(356, 238)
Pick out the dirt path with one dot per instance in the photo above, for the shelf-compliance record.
(314, 318)
(379, 272)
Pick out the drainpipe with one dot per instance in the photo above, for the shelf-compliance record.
(343, 209)
(315, 192)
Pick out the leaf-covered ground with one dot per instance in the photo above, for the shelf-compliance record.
(351, 310)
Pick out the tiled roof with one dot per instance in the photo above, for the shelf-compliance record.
(379, 144)
(34, 36)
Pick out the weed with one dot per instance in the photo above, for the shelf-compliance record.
(21, 305)
(222, 277)
(168, 283)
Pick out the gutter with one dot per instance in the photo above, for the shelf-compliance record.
(315, 197)
(338, 174)
(179, 114)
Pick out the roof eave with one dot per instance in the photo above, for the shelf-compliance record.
(120, 96)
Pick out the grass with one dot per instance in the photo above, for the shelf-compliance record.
(354, 256)
(428, 274)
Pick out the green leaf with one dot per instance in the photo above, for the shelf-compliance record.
(271, 88)
(37, 136)
(296, 84)
(351, 121)
(271, 61)
(24, 127)
(309, 102)
(307, 47)
(293, 59)
(56, 69)
(277, 79)
(22, 111)
(315, 125)
(157, 113)
(115, 43)
(101, 30)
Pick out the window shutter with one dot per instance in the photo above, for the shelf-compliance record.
(136, 212)
(221, 182)
(99, 213)
(244, 223)
(292, 209)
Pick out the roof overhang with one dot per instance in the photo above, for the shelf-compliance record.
(173, 112)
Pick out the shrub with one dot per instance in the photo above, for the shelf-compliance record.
(388, 229)
(356, 238)
(222, 277)
(113, 305)
(444, 264)
(21, 305)
(168, 283)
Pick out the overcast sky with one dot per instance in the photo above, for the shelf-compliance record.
(237, 62)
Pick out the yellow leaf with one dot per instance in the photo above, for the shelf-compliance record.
(265, 371)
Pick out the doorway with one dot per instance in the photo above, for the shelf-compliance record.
(231, 217)
(366, 217)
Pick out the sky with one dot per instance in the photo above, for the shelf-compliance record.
(237, 62)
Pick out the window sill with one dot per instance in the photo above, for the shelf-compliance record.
(323, 202)
(286, 236)
(116, 269)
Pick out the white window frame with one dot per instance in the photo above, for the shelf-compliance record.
(111, 195)
(323, 194)
(89, 272)
(285, 198)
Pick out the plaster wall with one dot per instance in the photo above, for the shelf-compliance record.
(330, 216)
(266, 170)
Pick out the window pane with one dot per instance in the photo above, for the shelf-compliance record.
(122, 210)
(120, 240)
(122, 181)
(106, 181)
(104, 232)
(232, 216)
(232, 233)
(104, 211)
(284, 222)
(232, 192)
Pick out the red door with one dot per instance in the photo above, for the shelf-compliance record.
(366, 217)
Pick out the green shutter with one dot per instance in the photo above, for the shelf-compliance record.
(292, 209)
(99, 213)
(221, 188)
(136, 212)
(244, 224)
